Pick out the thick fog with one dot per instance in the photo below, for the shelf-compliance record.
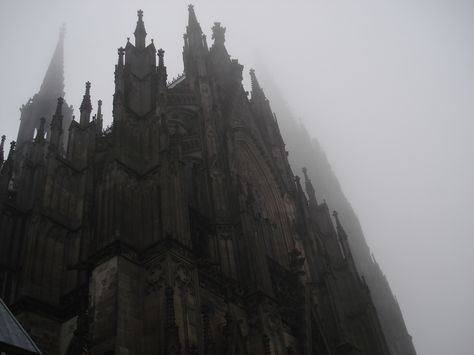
(387, 87)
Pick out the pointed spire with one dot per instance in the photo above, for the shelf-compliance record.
(40, 133)
(195, 48)
(310, 189)
(140, 33)
(2, 144)
(53, 82)
(218, 34)
(57, 128)
(193, 35)
(193, 24)
(86, 106)
(100, 121)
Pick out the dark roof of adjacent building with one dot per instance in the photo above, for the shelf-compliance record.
(12, 335)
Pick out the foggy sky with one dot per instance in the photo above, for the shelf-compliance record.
(387, 87)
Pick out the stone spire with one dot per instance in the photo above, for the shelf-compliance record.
(310, 189)
(86, 106)
(193, 38)
(100, 121)
(195, 47)
(140, 33)
(193, 24)
(53, 82)
(42, 104)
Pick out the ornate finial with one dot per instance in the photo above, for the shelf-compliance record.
(218, 33)
(99, 109)
(3, 140)
(128, 39)
(121, 52)
(140, 32)
(88, 87)
(193, 24)
(161, 54)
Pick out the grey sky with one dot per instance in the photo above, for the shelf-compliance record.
(386, 86)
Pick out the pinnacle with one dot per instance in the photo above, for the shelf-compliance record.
(86, 104)
(140, 32)
(192, 20)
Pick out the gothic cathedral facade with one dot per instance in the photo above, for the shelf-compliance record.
(178, 229)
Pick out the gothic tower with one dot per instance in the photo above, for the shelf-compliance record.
(43, 104)
(181, 229)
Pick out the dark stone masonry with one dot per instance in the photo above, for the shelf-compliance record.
(179, 229)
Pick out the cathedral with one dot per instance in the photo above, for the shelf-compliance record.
(180, 228)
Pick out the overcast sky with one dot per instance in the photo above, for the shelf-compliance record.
(386, 86)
